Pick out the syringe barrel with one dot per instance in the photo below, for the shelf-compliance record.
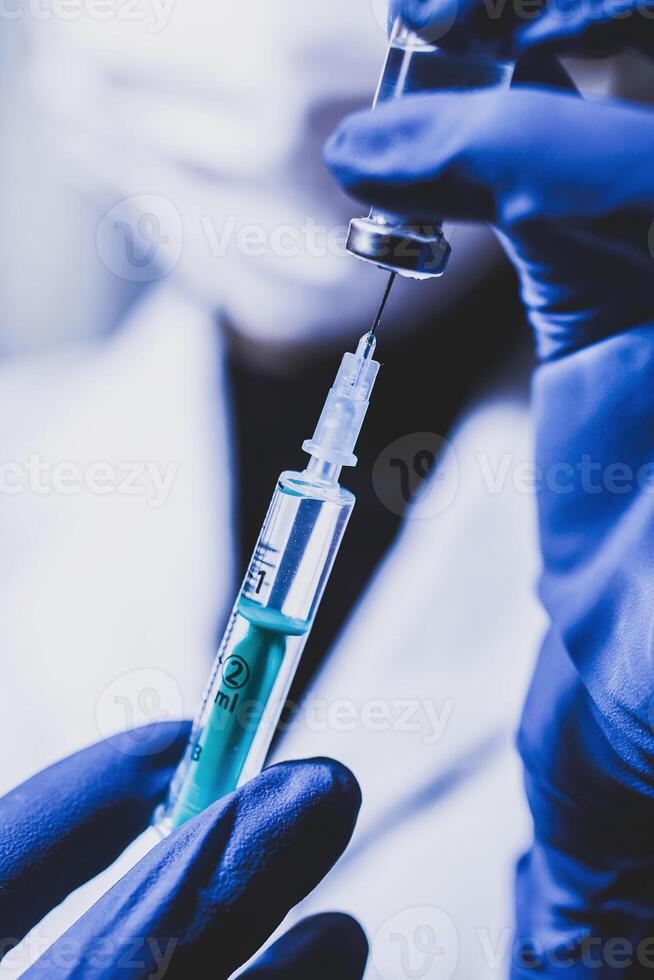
(416, 248)
(262, 645)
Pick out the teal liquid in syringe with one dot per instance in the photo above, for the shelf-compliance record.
(276, 606)
(243, 695)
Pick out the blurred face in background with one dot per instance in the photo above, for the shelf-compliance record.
(182, 140)
(198, 126)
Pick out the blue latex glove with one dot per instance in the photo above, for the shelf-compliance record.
(570, 186)
(513, 27)
(213, 892)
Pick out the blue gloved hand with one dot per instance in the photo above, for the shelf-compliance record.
(571, 188)
(514, 27)
(566, 182)
(211, 893)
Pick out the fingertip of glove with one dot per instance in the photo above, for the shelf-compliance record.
(354, 134)
(324, 946)
(324, 781)
(336, 924)
(334, 148)
(337, 930)
(354, 150)
(299, 802)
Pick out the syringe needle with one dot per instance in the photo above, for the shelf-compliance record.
(387, 293)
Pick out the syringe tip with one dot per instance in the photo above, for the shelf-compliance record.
(367, 345)
(345, 409)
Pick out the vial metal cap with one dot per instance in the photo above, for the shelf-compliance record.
(414, 251)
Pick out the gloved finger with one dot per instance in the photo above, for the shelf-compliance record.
(499, 157)
(321, 948)
(218, 887)
(502, 27)
(66, 824)
(599, 30)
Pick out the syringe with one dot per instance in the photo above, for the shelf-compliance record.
(277, 604)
